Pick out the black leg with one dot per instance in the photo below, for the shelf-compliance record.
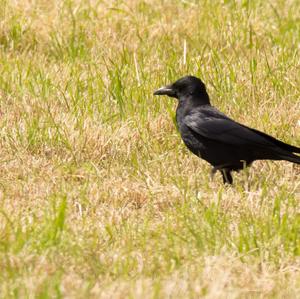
(227, 178)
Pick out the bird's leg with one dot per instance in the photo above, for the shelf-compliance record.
(213, 172)
(227, 178)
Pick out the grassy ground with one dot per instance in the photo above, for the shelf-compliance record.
(99, 198)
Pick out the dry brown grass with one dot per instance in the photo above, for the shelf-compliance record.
(99, 198)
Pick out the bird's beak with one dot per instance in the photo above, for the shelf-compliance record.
(165, 90)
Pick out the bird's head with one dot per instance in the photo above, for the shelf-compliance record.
(188, 87)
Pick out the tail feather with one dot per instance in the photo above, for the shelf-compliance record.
(291, 158)
(280, 144)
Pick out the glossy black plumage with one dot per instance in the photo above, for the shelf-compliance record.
(211, 135)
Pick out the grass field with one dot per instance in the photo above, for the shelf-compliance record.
(99, 198)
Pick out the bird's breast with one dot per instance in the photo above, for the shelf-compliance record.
(194, 144)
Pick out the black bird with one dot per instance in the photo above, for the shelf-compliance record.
(211, 135)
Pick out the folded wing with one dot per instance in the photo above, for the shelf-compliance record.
(214, 125)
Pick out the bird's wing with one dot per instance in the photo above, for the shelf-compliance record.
(216, 126)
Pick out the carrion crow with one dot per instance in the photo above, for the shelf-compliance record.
(211, 135)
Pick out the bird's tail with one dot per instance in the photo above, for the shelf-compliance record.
(280, 144)
(291, 158)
